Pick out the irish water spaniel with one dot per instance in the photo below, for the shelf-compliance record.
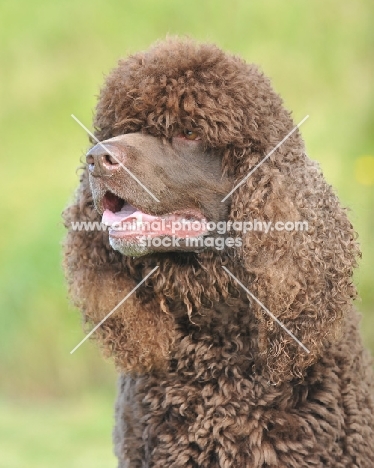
(208, 377)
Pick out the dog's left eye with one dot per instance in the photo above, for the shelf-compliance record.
(190, 135)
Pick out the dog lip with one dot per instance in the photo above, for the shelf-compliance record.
(189, 214)
(102, 202)
(128, 213)
(127, 221)
(112, 202)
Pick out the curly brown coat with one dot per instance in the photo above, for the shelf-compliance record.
(208, 378)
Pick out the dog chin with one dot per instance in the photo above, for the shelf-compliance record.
(134, 246)
(129, 247)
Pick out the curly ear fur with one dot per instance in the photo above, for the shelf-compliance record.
(304, 278)
(140, 334)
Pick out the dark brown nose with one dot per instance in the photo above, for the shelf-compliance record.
(103, 160)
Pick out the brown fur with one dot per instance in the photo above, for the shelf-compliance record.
(210, 380)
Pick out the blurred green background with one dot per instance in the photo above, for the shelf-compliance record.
(56, 408)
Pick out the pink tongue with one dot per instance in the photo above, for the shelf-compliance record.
(126, 213)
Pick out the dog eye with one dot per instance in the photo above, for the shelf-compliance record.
(190, 135)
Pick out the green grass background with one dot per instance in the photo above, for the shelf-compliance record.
(56, 409)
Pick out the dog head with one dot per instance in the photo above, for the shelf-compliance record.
(185, 132)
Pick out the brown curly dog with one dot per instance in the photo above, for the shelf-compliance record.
(209, 378)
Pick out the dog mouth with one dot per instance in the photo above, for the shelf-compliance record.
(126, 221)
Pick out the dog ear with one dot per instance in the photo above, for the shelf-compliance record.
(303, 277)
(99, 278)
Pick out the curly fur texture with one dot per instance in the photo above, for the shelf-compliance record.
(210, 380)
